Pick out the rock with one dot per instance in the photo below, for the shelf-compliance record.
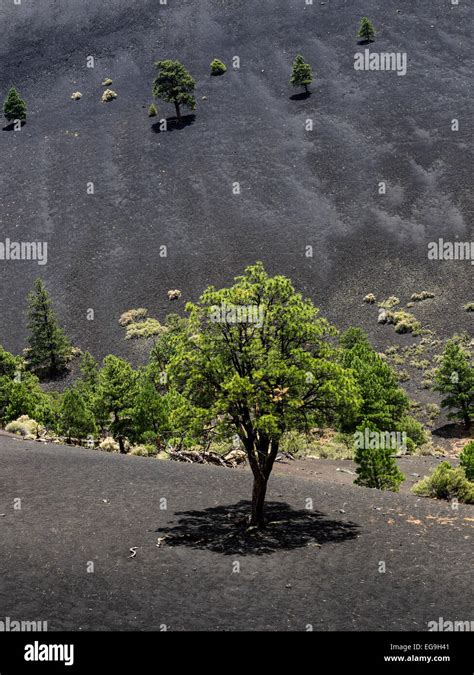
(76, 95)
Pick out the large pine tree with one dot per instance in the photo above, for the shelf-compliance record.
(49, 348)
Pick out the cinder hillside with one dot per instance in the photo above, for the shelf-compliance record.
(299, 188)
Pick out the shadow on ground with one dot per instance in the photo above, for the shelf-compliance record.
(453, 430)
(224, 529)
(301, 96)
(172, 124)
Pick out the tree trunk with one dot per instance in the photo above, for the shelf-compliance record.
(121, 445)
(266, 452)
(178, 112)
(306, 88)
(258, 500)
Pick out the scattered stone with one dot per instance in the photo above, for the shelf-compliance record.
(76, 95)
(107, 82)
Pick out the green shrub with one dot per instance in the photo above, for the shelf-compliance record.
(143, 450)
(370, 298)
(133, 315)
(446, 482)
(144, 329)
(390, 302)
(109, 445)
(467, 460)
(217, 67)
(424, 295)
(25, 426)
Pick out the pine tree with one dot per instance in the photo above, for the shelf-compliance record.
(14, 107)
(366, 30)
(466, 459)
(49, 349)
(75, 419)
(455, 379)
(174, 85)
(301, 74)
(116, 397)
(377, 467)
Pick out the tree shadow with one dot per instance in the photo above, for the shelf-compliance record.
(172, 124)
(224, 529)
(302, 96)
(365, 42)
(11, 126)
(453, 430)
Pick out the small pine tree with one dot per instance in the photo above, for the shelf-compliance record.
(174, 85)
(217, 67)
(115, 398)
(152, 110)
(467, 460)
(366, 30)
(14, 107)
(455, 379)
(75, 419)
(49, 349)
(377, 467)
(301, 74)
(89, 370)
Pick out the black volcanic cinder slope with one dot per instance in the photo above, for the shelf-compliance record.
(299, 188)
(80, 506)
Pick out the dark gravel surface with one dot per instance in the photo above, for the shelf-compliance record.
(321, 568)
(299, 188)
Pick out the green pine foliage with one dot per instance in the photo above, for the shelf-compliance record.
(377, 468)
(366, 30)
(455, 379)
(115, 398)
(384, 403)
(14, 107)
(467, 460)
(301, 74)
(76, 420)
(49, 348)
(174, 84)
